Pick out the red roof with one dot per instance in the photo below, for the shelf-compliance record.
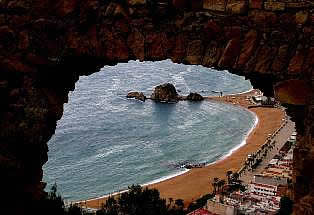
(273, 172)
(264, 185)
(201, 211)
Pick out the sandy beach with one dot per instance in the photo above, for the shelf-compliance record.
(197, 182)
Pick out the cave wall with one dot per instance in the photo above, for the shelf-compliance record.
(46, 45)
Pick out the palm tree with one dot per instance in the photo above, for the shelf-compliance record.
(250, 161)
(218, 186)
(179, 203)
(229, 173)
(170, 201)
(215, 183)
(235, 176)
(254, 156)
(221, 183)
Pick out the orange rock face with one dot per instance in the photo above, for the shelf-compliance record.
(293, 91)
(248, 48)
(296, 63)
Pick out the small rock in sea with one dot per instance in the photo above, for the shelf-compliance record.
(194, 97)
(137, 95)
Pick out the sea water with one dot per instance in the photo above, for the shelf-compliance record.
(106, 142)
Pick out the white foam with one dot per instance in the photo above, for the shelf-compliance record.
(104, 152)
(179, 80)
(234, 94)
(116, 83)
(189, 121)
(101, 197)
(166, 177)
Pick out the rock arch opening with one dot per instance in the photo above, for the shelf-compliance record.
(106, 142)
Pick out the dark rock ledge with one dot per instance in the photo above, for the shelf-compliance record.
(165, 93)
(137, 95)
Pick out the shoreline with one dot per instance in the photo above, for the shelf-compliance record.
(156, 181)
(177, 185)
(243, 143)
(244, 92)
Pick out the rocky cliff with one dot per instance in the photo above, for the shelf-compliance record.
(46, 45)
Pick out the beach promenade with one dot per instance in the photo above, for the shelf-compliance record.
(280, 138)
(197, 182)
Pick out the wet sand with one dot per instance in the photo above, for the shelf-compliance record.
(197, 182)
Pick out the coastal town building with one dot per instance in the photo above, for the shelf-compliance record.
(275, 181)
(264, 192)
(258, 98)
(220, 207)
(201, 211)
(259, 190)
(263, 100)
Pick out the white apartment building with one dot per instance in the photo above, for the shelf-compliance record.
(262, 189)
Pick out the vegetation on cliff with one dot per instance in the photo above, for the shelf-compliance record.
(141, 201)
(53, 204)
(137, 201)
